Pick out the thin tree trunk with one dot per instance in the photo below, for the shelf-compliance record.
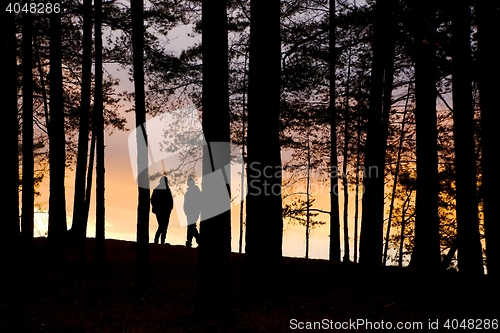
(358, 140)
(449, 256)
(88, 195)
(395, 182)
(356, 205)
(308, 180)
(386, 111)
(41, 73)
(28, 184)
(243, 146)
(344, 162)
(334, 248)
(57, 151)
(470, 256)
(9, 228)
(90, 172)
(488, 18)
(79, 224)
(100, 255)
(403, 226)
(143, 267)
(402, 236)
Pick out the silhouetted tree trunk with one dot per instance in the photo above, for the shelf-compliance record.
(57, 141)
(308, 182)
(404, 209)
(8, 96)
(470, 257)
(334, 248)
(99, 134)
(356, 200)
(426, 254)
(264, 233)
(79, 227)
(386, 108)
(243, 147)
(488, 25)
(90, 172)
(345, 179)
(372, 221)
(213, 277)
(28, 184)
(42, 76)
(450, 255)
(395, 182)
(9, 228)
(143, 262)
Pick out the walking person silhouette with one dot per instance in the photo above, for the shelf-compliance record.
(192, 209)
(162, 204)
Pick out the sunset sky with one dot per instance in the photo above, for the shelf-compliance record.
(121, 191)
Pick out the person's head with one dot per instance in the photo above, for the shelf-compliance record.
(190, 182)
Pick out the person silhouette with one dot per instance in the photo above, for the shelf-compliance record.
(162, 204)
(192, 209)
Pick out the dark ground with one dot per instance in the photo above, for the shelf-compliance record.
(75, 300)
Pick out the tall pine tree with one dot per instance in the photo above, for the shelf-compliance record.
(264, 233)
(470, 259)
(143, 261)
(215, 232)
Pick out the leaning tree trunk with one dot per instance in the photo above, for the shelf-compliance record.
(90, 173)
(395, 182)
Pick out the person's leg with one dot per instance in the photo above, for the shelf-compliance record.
(189, 240)
(158, 231)
(166, 220)
(196, 234)
(191, 230)
(163, 235)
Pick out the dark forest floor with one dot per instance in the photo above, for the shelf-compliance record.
(76, 300)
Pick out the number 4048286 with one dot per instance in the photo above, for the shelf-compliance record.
(481, 324)
(33, 8)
